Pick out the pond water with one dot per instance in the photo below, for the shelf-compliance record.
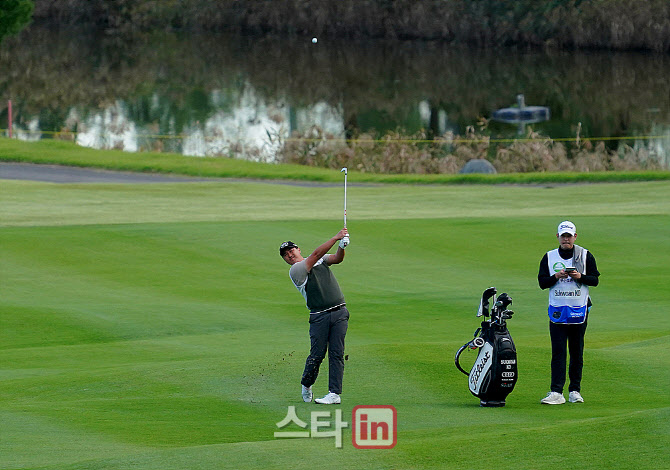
(242, 96)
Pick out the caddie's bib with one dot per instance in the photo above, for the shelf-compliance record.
(568, 299)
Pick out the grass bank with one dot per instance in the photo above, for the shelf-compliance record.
(67, 153)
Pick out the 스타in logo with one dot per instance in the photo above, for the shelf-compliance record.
(374, 427)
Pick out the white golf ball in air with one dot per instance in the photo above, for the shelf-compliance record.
(314, 40)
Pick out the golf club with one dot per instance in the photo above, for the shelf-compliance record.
(345, 240)
(345, 194)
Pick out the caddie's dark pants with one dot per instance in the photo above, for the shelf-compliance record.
(572, 335)
(327, 331)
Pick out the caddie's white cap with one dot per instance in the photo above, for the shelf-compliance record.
(566, 227)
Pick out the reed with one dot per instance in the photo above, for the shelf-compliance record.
(398, 153)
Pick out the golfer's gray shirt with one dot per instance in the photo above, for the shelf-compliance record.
(319, 287)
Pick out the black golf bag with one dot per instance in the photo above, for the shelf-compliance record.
(494, 373)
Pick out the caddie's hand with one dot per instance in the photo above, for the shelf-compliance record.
(562, 274)
(575, 274)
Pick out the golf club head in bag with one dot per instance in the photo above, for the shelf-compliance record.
(494, 373)
(484, 303)
(500, 313)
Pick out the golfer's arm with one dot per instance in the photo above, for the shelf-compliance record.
(320, 251)
(337, 257)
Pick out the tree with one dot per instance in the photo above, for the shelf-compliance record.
(14, 16)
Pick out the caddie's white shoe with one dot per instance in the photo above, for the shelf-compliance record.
(575, 397)
(330, 399)
(306, 394)
(553, 398)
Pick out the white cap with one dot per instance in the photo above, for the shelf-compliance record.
(566, 227)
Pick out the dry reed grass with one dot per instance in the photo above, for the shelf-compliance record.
(396, 153)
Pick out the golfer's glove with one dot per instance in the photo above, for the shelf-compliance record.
(344, 242)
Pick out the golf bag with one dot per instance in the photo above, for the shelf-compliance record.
(494, 373)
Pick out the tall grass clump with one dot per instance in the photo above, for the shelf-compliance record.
(396, 153)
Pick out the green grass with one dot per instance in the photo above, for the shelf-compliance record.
(155, 327)
(67, 153)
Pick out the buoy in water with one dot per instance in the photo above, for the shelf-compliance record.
(522, 114)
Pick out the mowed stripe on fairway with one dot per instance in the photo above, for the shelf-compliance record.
(160, 330)
(32, 203)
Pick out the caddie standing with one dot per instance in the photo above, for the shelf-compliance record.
(567, 271)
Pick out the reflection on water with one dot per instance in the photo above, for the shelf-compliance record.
(253, 128)
(109, 128)
(219, 95)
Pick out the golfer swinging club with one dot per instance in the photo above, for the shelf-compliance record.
(328, 315)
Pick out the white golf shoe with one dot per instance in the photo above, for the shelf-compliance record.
(330, 399)
(553, 398)
(306, 394)
(575, 397)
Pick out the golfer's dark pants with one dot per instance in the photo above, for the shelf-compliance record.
(327, 331)
(572, 336)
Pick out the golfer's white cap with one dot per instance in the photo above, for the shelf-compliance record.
(566, 227)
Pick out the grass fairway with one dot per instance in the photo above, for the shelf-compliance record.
(154, 326)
